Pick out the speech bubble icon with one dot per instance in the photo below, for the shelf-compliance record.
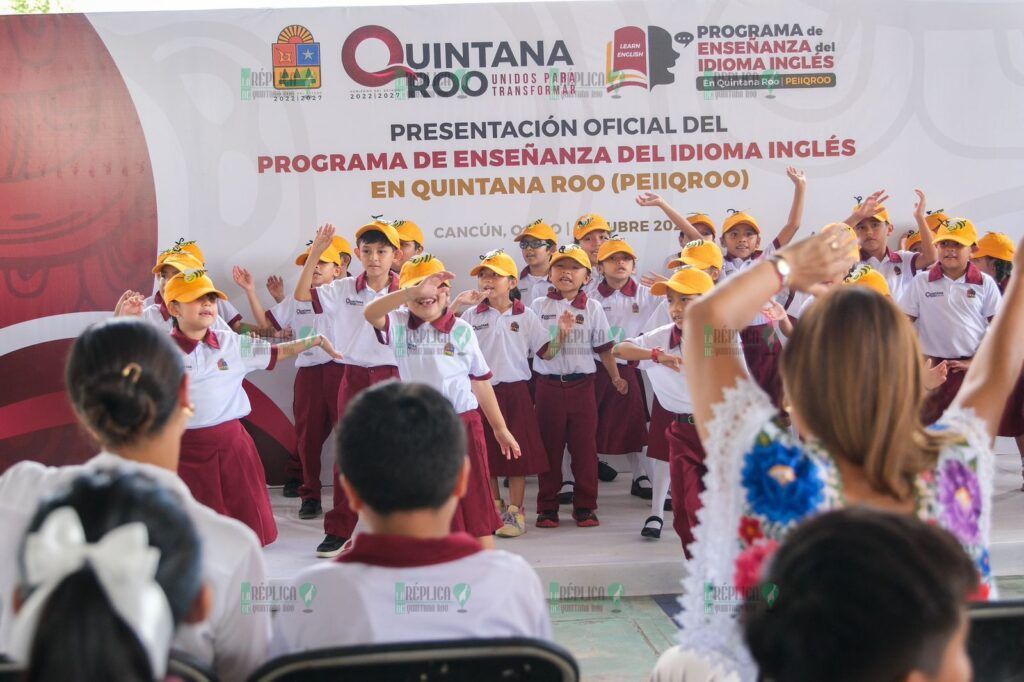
(684, 38)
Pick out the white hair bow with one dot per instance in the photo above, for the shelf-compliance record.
(125, 566)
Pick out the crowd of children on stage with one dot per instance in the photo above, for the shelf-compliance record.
(532, 371)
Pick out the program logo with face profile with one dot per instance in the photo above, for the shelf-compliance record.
(636, 58)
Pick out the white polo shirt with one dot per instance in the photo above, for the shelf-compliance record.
(952, 315)
(342, 302)
(731, 266)
(507, 339)
(216, 367)
(531, 286)
(233, 642)
(591, 334)
(444, 354)
(627, 309)
(389, 588)
(659, 316)
(898, 267)
(799, 304)
(305, 323)
(670, 386)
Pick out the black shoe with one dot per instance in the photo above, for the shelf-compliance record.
(651, 531)
(291, 487)
(505, 482)
(331, 546)
(310, 509)
(668, 504)
(638, 490)
(606, 472)
(566, 497)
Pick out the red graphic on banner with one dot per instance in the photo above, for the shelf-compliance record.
(626, 62)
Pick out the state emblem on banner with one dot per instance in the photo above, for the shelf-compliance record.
(296, 59)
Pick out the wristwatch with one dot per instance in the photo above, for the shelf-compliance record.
(781, 268)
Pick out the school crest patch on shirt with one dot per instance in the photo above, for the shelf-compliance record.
(449, 349)
(514, 326)
(221, 365)
(579, 319)
(971, 293)
(636, 307)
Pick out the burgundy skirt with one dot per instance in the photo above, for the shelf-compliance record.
(762, 349)
(1012, 423)
(520, 417)
(941, 398)
(621, 419)
(222, 468)
(476, 514)
(657, 441)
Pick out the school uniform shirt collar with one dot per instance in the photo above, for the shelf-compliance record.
(399, 551)
(517, 307)
(971, 276)
(579, 302)
(443, 324)
(675, 337)
(628, 289)
(188, 345)
(392, 282)
(890, 255)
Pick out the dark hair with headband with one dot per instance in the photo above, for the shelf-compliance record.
(79, 635)
(123, 377)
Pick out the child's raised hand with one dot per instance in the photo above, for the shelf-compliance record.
(774, 311)
(935, 374)
(920, 205)
(566, 322)
(797, 176)
(824, 257)
(321, 241)
(507, 442)
(120, 301)
(243, 278)
(133, 305)
(621, 385)
(468, 299)
(428, 287)
(286, 334)
(650, 278)
(649, 199)
(275, 285)
(869, 206)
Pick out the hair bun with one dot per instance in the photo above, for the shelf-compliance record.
(120, 409)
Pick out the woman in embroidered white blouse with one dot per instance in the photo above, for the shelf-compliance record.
(853, 373)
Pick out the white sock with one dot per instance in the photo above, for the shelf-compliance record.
(661, 481)
(638, 465)
(567, 468)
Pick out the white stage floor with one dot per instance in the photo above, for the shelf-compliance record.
(614, 552)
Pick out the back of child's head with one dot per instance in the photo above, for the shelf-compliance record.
(123, 378)
(401, 446)
(110, 617)
(861, 595)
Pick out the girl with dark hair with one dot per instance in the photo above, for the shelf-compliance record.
(108, 570)
(128, 387)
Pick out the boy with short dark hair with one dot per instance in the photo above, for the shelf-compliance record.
(402, 455)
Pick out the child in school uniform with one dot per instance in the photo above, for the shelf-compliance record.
(952, 304)
(508, 332)
(411, 241)
(537, 242)
(660, 353)
(275, 284)
(341, 303)
(219, 462)
(622, 418)
(402, 453)
(565, 397)
(433, 346)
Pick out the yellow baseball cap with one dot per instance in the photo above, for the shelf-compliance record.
(387, 229)
(180, 261)
(914, 238)
(881, 213)
(740, 218)
(330, 255)
(588, 223)
(538, 229)
(702, 219)
(867, 276)
(417, 269)
(686, 280)
(189, 285)
(572, 252)
(180, 247)
(342, 246)
(613, 246)
(408, 231)
(961, 231)
(935, 218)
(498, 262)
(700, 254)
(996, 245)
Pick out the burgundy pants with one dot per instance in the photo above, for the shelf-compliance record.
(315, 404)
(686, 470)
(938, 400)
(567, 415)
(341, 520)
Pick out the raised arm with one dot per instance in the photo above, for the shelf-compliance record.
(867, 208)
(292, 348)
(796, 209)
(677, 218)
(997, 364)
(377, 312)
(716, 318)
(320, 243)
(243, 278)
(929, 254)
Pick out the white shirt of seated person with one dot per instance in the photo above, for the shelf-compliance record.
(952, 315)
(390, 588)
(507, 339)
(232, 642)
(444, 354)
